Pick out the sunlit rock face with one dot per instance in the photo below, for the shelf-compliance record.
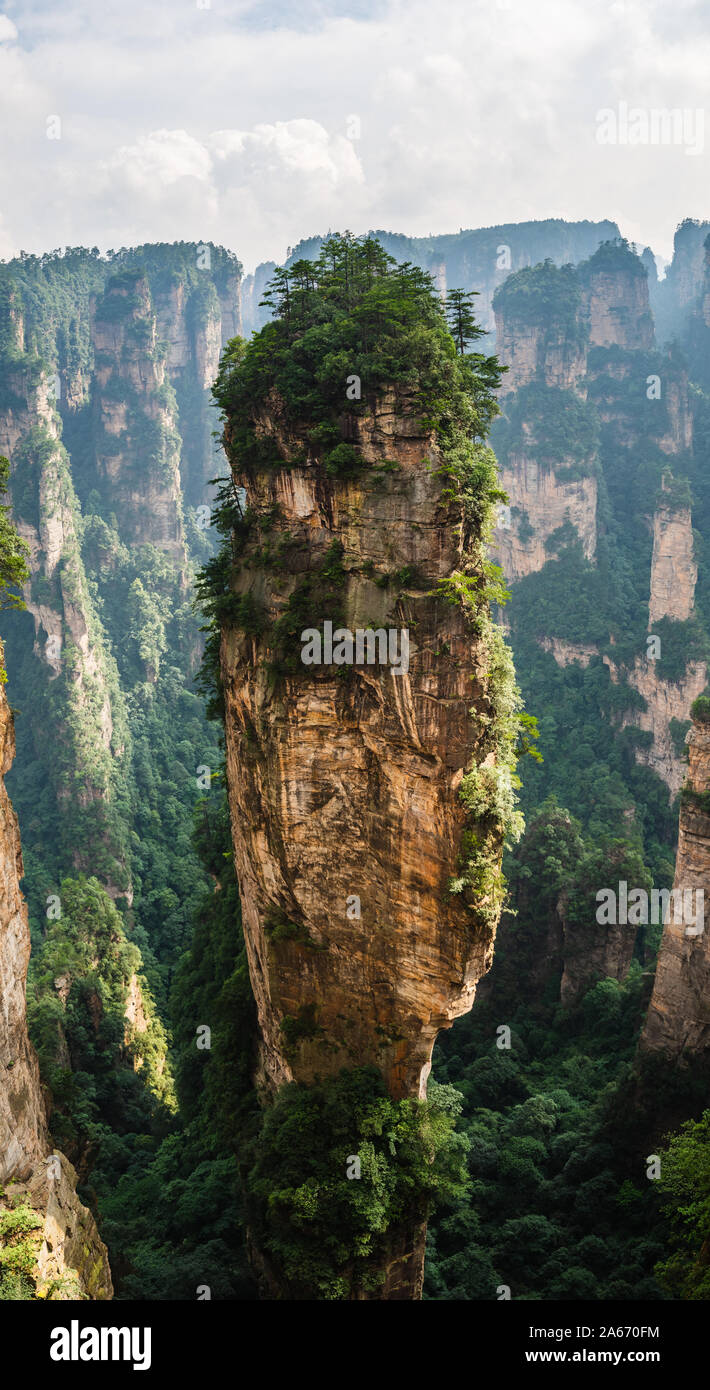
(344, 782)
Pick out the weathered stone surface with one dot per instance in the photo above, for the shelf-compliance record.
(678, 1020)
(565, 653)
(348, 787)
(616, 306)
(665, 700)
(23, 1134)
(596, 952)
(673, 579)
(674, 572)
(545, 503)
(538, 352)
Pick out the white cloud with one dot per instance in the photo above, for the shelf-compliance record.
(232, 122)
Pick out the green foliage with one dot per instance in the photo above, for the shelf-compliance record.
(615, 255)
(19, 1248)
(317, 597)
(546, 296)
(700, 710)
(685, 1194)
(555, 427)
(461, 319)
(321, 1230)
(558, 1205)
(13, 551)
(80, 1027)
(353, 313)
(681, 643)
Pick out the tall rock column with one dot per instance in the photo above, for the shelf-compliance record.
(369, 792)
(678, 1020)
(344, 780)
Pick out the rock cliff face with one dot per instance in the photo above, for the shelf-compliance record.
(674, 575)
(134, 409)
(674, 572)
(579, 345)
(542, 502)
(67, 634)
(105, 416)
(599, 953)
(678, 1020)
(346, 821)
(665, 701)
(675, 298)
(616, 307)
(71, 1259)
(543, 349)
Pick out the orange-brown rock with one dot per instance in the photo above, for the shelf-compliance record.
(343, 782)
(678, 1020)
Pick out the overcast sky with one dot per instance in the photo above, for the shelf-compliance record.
(234, 122)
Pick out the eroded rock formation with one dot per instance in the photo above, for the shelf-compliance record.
(678, 1019)
(343, 780)
(674, 572)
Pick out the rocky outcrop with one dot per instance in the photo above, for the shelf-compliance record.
(71, 1259)
(675, 298)
(665, 701)
(579, 345)
(674, 572)
(566, 653)
(343, 783)
(615, 301)
(673, 578)
(138, 446)
(23, 1132)
(593, 952)
(678, 1020)
(535, 350)
(68, 640)
(540, 502)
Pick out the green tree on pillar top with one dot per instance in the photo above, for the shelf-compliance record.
(460, 318)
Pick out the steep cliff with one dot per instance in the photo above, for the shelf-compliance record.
(592, 412)
(615, 300)
(68, 665)
(105, 416)
(137, 442)
(675, 299)
(678, 1020)
(49, 1245)
(368, 795)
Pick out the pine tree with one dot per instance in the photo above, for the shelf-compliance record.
(460, 318)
